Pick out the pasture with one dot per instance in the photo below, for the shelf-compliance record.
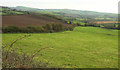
(84, 47)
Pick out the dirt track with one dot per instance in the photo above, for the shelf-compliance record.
(28, 20)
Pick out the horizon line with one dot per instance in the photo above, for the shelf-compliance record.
(63, 8)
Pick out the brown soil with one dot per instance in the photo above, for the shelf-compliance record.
(105, 22)
(28, 20)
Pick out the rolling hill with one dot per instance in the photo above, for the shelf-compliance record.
(73, 14)
(13, 17)
(84, 47)
(29, 20)
(25, 16)
(8, 11)
(77, 47)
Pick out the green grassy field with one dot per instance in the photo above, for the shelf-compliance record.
(85, 47)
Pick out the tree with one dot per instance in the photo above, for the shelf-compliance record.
(70, 22)
(48, 27)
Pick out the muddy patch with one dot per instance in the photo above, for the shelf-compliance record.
(110, 34)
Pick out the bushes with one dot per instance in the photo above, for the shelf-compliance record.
(110, 26)
(89, 24)
(96, 25)
(92, 24)
(48, 28)
(70, 28)
(54, 28)
(32, 29)
(59, 27)
(11, 29)
(29, 29)
(78, 24)
(15, 58)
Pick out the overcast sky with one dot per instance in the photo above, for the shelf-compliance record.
(91, 5)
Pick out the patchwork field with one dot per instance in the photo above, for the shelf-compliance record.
(85, 47)
(106, 22)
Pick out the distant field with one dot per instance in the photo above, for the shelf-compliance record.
(85, 47)
(28, 20)
(105, 22)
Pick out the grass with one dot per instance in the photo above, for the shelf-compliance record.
(7, 11)
(102, 18)
(78, 22)
(80, 19)
(85, 47)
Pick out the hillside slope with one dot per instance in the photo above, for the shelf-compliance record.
(29, 20)
(70, 13)
(85, 47)
(8, 11)
(13, 17)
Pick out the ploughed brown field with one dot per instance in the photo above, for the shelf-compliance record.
(105, 22)
(28, 20)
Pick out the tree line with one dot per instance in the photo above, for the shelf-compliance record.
(108, 26)
(48, 28)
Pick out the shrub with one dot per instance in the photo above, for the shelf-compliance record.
(66, 28)
(78, 24)
(109, 26)
(48, 28)
(69, 28)
(89, 24)
(52, 31)
(13, 59)
(40, 29)
(11, 29)
(96, 25)
(24, 30)
(57, 27)
(53, 27)
(86, 24)
(70, 22)
(29, 29)
(34, 29)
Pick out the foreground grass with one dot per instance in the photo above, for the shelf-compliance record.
(85, 47)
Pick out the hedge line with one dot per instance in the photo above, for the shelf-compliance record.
(48, 28)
